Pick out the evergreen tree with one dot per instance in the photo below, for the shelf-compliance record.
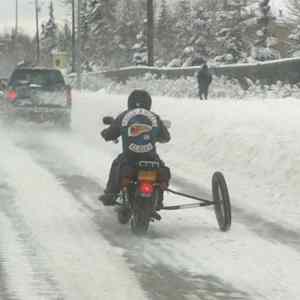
(65, 39)
(294, 37)
(264, 21)
(262, 51)
(201, 33)
(103, 28)
(165, 34)
(84, 26)
(15, 49)
(294, 10)
(183, 26)
(127, 29)
(230, 37)
(49, 37)
(140, 47)
(86, 46)
(294, 41)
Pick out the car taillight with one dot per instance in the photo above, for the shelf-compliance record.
(11, 96)
(146, 189)
(68, 96)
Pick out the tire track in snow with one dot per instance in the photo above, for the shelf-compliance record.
(34, 280)
(4, 290)
(160, 281)
(266, 229)
(62, 228)
(5, 293)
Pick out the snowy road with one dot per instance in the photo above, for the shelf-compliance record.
(58, 242)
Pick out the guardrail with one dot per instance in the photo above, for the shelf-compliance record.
(270, 72)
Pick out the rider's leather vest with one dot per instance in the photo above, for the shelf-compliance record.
(139, 130)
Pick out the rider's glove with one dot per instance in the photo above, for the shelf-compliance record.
(104, 133)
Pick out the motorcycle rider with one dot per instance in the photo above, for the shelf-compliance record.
(140, 129)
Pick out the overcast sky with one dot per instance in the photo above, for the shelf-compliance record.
(26, 13)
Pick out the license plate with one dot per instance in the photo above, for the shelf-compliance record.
(147, 175)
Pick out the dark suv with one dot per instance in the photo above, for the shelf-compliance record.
(39, 95)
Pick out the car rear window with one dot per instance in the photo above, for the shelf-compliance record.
(39, 77)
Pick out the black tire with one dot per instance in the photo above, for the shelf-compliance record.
(222, 201)
(124, 215)
(141, 218)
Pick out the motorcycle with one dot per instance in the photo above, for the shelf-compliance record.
(142, 191)
(141, 194)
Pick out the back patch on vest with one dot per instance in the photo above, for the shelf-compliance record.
(139, 125)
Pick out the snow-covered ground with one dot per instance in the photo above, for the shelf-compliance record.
(255, 144)
(71, 247)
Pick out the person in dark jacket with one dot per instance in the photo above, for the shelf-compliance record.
(140, 130)
(204, 79)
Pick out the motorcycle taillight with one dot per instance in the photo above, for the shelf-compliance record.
(11, 95)
(146, 189)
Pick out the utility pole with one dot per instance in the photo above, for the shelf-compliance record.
(17, 18)
(150, 32)
(73, 38)
(15, 34)
(37, 32)
(78, 61)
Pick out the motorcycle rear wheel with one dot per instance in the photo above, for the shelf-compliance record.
(140, 219)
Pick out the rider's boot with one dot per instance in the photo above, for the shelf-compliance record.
(156, 215)
(107, 198)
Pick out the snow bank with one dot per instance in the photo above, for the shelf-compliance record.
(221, 87)
(255, 143)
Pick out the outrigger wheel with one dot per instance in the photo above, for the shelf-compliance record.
(221, 201)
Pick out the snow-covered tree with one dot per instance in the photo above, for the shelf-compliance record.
(14, 49)
(65, 39)
(293, 9)
(262, 50)
(294, 21)
(230, 36)
(201, 33)
(128, 26)
(49, 36)
(264, 20)
(294, 41)
(86, 39)
(84, 26)
(183, 26)
(140, 48)
(165, 34)
(102, 19)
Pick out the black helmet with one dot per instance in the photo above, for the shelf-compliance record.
(139, 99)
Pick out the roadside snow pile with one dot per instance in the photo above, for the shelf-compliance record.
(187, 87)
(255, 143)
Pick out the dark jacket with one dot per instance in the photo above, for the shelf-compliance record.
(118, 128)
(204, 77)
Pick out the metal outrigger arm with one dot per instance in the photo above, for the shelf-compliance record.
(204, 202)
